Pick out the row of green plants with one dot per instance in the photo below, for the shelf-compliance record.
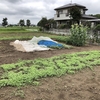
(11, 29)
(29, 35)
(29, 71)
(18, 29)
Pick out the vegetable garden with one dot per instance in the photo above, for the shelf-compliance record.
(72, 73)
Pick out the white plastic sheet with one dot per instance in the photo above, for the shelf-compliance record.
(31, 45)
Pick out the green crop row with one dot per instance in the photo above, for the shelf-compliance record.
(26, 72)
(29, 35)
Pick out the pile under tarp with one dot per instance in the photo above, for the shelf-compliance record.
(35, 44)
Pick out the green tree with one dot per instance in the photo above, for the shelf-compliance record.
(28, 22)
(52, 23)
(75, 14)
(4, 23)
(43, 23)
(22, 23)
(97, 15)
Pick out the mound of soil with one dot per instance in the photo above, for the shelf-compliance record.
(84, 85)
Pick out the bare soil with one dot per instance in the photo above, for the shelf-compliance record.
(84, 85)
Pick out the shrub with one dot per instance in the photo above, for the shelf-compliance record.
(97, 27)
(96, 33)
(78, 35)
(63, 26)
(40, 29)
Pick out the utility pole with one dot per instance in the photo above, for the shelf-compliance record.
(71, 1)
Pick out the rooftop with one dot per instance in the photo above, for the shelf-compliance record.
(88, 17)
(71, 5)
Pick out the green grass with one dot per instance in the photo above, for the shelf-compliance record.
(27, 72)
(18, 33)
(30, 35)
(13, 30)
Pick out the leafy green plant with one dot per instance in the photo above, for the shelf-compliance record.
(29, 71)
(97, 27)
(62, 26)
(36, 83)
(78, 35)
(20, 93)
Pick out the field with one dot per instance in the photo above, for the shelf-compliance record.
(44, 75)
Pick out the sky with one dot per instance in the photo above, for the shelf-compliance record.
(34, 10)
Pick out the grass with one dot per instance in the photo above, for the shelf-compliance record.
(29, 71)
(18, 29)
(23, 36)
(16, 33)
(19, 93)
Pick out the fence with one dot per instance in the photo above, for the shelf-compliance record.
(60, 31)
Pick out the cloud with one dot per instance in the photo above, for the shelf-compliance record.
(12, 1)
(34, 10)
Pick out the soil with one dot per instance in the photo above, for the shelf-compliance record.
(84, 85)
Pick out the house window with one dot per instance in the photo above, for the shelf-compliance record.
(60, 11)
(57, 15)
(67, 14)
(83, 11)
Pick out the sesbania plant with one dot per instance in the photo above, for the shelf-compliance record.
(78, 35)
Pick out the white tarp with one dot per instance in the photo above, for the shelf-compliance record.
(31, 45)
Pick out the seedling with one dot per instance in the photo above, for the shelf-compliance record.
(28, 71)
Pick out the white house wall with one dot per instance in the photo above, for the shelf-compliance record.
(61, 17)
(65, 11)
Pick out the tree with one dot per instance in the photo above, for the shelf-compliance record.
(22, 23)
(43, 23)
(75, 14)
(97, 15)
(28, 23)
(4, 23)
(52, 23)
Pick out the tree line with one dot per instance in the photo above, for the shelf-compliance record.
(47, 23)
(21, 22)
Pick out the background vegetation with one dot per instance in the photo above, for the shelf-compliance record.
(13, 33)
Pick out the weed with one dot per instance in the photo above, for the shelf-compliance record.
(36, 83)
(20, 93)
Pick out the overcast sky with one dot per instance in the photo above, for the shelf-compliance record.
(34, 10)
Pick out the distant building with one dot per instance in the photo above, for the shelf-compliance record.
(63, 15)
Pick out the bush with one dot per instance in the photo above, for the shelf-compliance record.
(78, 35)
(63, 26)
(96, 34)
(40, 29)
(97, 27)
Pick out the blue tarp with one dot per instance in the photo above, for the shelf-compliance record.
(49, 43)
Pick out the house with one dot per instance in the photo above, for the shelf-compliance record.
(62, 15)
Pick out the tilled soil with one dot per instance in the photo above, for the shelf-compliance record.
(84, 85)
